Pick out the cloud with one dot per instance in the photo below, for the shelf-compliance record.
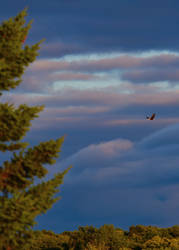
(150, 76)
(109, 70)
(109, 107)
(43, 83)
(58, 49)
(113, 97)
(123, 28)
(135, 182)
(166, 136)
(103, 151)
(106, 64)
(123, 163)
(73, 77)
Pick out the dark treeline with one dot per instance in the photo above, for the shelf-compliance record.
(108, 237)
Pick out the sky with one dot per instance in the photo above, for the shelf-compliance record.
(104, 66)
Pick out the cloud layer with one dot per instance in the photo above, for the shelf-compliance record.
(121, 181)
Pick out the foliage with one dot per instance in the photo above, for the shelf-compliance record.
(21, 200)
(48, 240)
(108, 237)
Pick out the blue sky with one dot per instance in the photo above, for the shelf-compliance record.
(103, 67)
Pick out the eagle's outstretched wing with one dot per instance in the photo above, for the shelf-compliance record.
(152, 117)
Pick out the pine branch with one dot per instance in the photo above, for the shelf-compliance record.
(21, 201)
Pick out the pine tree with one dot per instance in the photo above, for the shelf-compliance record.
(21, 199)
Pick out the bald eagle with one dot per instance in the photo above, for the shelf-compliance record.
(151, 118)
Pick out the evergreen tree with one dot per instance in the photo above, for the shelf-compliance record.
(21, 200)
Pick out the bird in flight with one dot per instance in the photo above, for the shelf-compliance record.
(152, 117)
